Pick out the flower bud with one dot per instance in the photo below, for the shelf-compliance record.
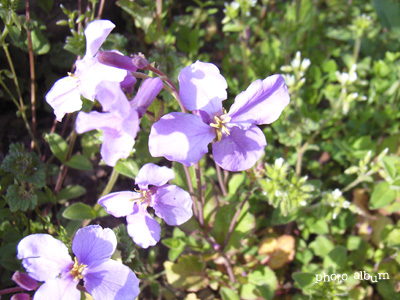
(24, 281)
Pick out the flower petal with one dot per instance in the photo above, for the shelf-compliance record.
(172, 204)
(111, 280)
(113, 99)
(116, 59)
(96, 120)
(92, 73)
(154, 175)
(116, 145)
(64, 97)
(202, 87)
(58, 288)
(145, 96)
(25, 281)
(96, 33)
(21, 296)
(240, 150)
(43, 256)
(262, 102)
(92, 244)
(143, 228)
(180, 137)
(119, 204)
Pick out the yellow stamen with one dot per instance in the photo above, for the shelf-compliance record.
(220, 125)
(145, 196)
(77, 269)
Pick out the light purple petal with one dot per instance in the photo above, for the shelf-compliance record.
(113, 99)
(92, 73)
(180, 137)
(43, 256)
(96, 33)
(240, 150)
(154, 175)
(119, 204)
(116, 145)
(143, 228)
(172, 204)
(92, 244)
(111, 280)
(96, 120)
(25, 281)
(262, 102)
(128, 83)
(145, 96)
(202, 87)
(58, 288)
(64, 97)
(116, 59)
(20, 296)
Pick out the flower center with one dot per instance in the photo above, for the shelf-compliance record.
(145, 196)
(219, 125)
(77, 269)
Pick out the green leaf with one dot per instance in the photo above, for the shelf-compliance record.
(79, 211)
(265, 280)
(244, 224)
(235, 182)
(321, 246)
(388, 12)
(58, 145)
(40, 43)
(187, 273)
(127, 167)
(71, 192)
(336, 258)
(21, 197)
(304, 280)
(80, 162)
(382, 195)
(228, 294)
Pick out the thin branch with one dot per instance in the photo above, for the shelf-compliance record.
(200, 198)
(191, 190)
(220, 180)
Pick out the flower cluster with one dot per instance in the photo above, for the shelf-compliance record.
(105, 76)
(237, 140)
(47, 259)
(170, 203)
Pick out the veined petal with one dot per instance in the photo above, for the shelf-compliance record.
(119, 204)
(113, 99)
(111, 280)
(143, 228)
(96, 120)
(240, 150)
(145, 96)
(154, 175)
(64, 97)
(43, 256)
(58, 288)
(202, 87)
(96, 33)
(92, 73)
(180, 137)
(92, 244)
(172, 204)
(262, 102)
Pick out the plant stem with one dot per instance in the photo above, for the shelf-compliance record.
(12, 290)
(111, 182)
(220, 180)
(236, 216)
(64, 168)
(32, 72)
(356, 50)
(191, 190)
(357, 181)
(200, 198)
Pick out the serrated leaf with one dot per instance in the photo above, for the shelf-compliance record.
(80, 162)
(58, 145)
(79, 211)
(321, 246)
(71, 192)
(382, 195)
(19, 198)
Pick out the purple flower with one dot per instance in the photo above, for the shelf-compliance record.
(25, 281)
(65, 95)
(47, 259)
(170, 203)
(237, 142)
(120, 123)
